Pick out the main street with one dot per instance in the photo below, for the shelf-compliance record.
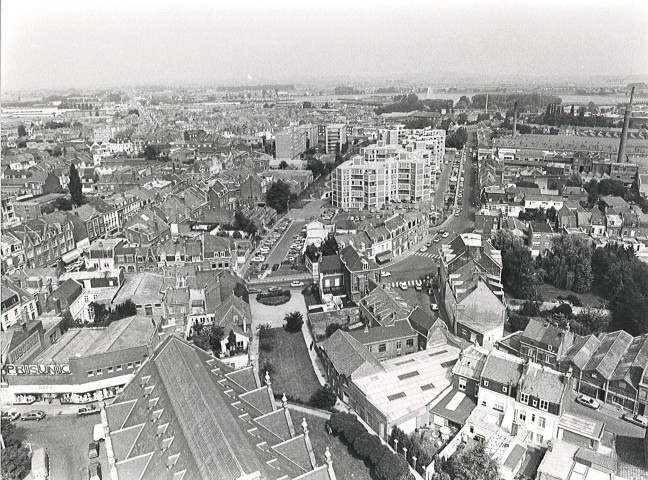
(417, 264)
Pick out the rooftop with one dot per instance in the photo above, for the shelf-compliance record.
(410, 382)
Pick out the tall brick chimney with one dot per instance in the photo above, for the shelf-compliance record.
(515, 114)
(621, 158)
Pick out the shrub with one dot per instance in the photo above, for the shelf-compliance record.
(266, 332)
(331, 329)
(518, 322)
(392, 467)
(353, 430)
(366, 443)
(323, 398)
(575, 301)
(294, 322)
(530, 309)
(274, 298)
(266, 367)
(266, 345)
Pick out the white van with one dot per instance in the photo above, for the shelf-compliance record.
(98, 434)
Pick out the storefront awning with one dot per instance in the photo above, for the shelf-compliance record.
(71, 256)
(383, 257)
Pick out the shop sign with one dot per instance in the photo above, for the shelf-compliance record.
(28, 346)
(11, 369)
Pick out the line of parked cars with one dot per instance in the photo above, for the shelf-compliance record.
(268, 243)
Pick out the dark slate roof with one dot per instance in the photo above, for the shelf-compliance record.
(608, 355)
(354, 260)
(69, 290)
(502, 368)
(330, 264)
(543, 383)
(396, 330)
(634, 362)
(421, 321)
(544, 333)
(581, 351)
(347, 354)
(460, 413)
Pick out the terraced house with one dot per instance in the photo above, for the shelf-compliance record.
(46, 240)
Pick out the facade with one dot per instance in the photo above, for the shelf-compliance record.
(83, 366)
(361, 185)
(18, 306)
(290, 143)
(334, 138)
(46, 240)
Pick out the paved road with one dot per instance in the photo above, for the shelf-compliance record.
(418, 265)
(66, 439)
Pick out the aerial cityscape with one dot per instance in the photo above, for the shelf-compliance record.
(357, 240)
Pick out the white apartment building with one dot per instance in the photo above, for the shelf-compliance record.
(362, 185)
(290, 142)
(335, 136)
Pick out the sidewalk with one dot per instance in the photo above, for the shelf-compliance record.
(317, 364)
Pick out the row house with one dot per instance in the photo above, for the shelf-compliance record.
(70, 297)
(45, 241)
(136, 259)
(125, 204)
(360, 273)
(13, 252)
(406, 230)
(18, 305)
(103, 253)
(147, 228)
(610, 368)
(541, 236)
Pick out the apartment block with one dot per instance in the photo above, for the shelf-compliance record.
(290, 142)
(335, 137)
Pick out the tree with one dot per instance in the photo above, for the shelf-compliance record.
(330, 246)
(392, 467)
(16, 459)
(216, 336)
(472, 463)
(151, 152)
(307, 105)
(366, 443)
(63, 204)
(76, 190)
(353, 430)
(294, 322)
(278, 196)
(323, 398)
(283, 165)
(568, 264)
(331, 328)
(316, 166)
(22, 131)
(231, 341)
(519, 275)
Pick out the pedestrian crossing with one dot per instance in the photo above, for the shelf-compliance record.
(433, 256)
(410, 283)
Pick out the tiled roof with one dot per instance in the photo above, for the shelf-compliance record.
(581, 351)
(396, 330)
(543, 383)
(502, 368)
(347, 354)
(608, 355)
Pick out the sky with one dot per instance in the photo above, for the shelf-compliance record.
(73, 43)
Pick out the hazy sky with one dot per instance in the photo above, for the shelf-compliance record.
(60, 43)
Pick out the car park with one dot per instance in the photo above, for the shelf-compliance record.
(588, 402)
(37, 415)
(640, 420)
(296, 283)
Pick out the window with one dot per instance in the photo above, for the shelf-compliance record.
(99, 372)
(498, 408)
(542, 422)
(544, 405)
(91, 373)
(539, 438)
(483, 403)
(148, 309)
(137, 364)
(130, 365)
(524, 398)
(118, 368)
(485, 383)
(522, 416)
(410, 342)
(535, 403)
(462, 384)
(504, 389)
(399, 345)
(382, 347)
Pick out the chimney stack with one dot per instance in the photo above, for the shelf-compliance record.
(624, 133)
(515, 113)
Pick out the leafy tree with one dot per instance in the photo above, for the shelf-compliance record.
(307, 105)
(63, 204)
(278, 196)
(216, 336)
(392, 467)
(22, 131)
(151, 152)
(283, 165)
(75, 186)
(472, 463)
(16, 459)
(323, 398)
(330, 246)
(231, 341)
(331, 328)
(353, 430)
(568, 265)
(366, 443)
(266, 332)
(294, 322)
(316, 166)
(519, 275)
(457, 139)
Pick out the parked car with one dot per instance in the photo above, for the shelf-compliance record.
(275, 289)
(434, 307)
(403, 285)
(588, 402)
(13, 415)
(423, 249)
(94, 471)
(640, 420)
(37, 415)
(418, 287)
(88, 410)
(296, 283)
(264, 267)
(259, 259)
(275, 267)
(437, 239)
(385, 274)
(445, 234)
(93, 450)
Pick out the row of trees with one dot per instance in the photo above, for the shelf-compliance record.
(457, 139)
(387, 464)
(16, 458)
(411, 102)
(104, 316)
(210, 338)
(555, 115)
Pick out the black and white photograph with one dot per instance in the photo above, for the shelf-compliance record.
(339, 240)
